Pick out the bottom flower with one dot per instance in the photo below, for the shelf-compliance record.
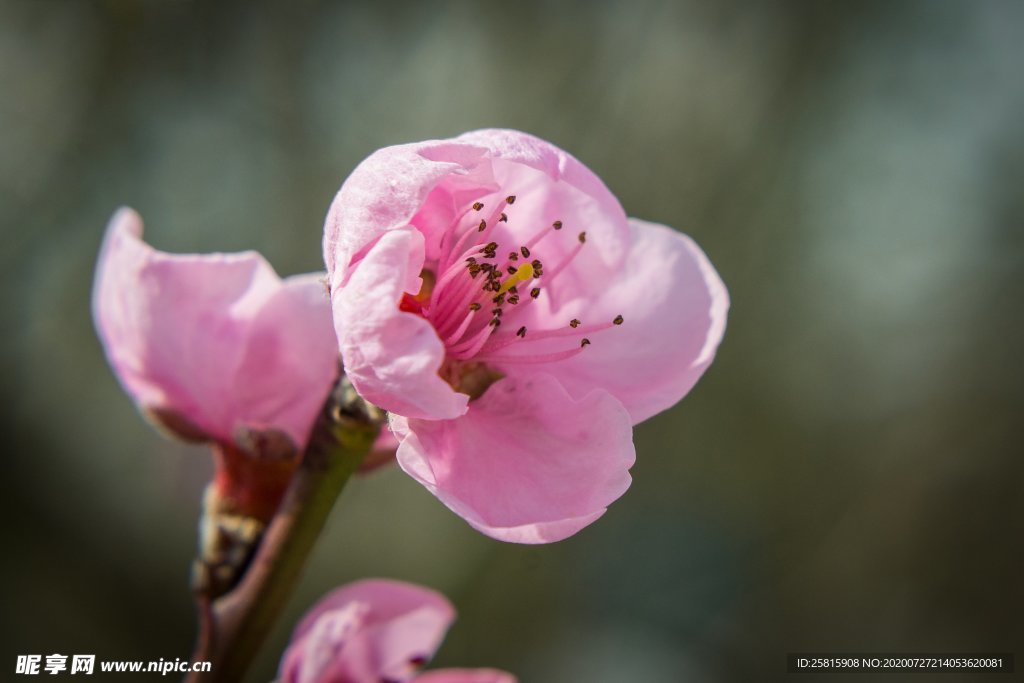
(376, 631)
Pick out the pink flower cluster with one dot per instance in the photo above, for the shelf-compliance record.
(488, 291)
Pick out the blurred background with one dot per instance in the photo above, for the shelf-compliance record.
(848, 474)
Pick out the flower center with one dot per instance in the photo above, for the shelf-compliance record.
(478, 285)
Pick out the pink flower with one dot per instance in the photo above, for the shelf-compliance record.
(372, 631)
(217, 348)
(490, 292)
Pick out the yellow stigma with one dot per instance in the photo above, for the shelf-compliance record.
(524, 272)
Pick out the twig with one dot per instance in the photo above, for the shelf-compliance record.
(239, 621)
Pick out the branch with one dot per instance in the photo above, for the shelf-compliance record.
(235, 625)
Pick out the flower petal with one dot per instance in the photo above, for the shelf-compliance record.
(393, 185)
(392, 357)
(382, 194)
(465, 676)
(527, 463)
(674, 307)
(370, 630)
(217, 340)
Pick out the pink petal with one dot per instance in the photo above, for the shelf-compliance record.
(674, 307)
(382, 194)
(367, 631)
(393, 184)
(392, 357)
(465, 676)
(527, 463)
(217, 340)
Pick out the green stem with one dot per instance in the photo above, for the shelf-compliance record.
(236, 624)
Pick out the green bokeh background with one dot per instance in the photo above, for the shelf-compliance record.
(847, 476)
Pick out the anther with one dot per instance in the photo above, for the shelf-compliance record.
(525, 252)
(584, 342)
(536, 263)
(474, 306)
(490, 246)
(495, 323)
(535, 292)
(482, 226)
(574, 323)
(511, 199)
(512, 270)
(477, 206)
(618, 320)
(503, 218)
(521, 332)
(513, 256)
(557, 225)
(513, 300)
(500, 299)
(496, 312)
(583, 237)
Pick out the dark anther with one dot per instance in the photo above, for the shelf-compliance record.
(500, 299)
(574, 323)
(536, 263)
(513, 256)
(503, 218)
(482, 226)
(477, 206)
(557, 225)
(521, 332)
(584, 342)
(474, 306)
(513, 290)
(511, 199)
(512, 270)
(494, 322)
(525, 252)
(583, 237)
(618, 320)
(513, 300)
(496, 312)
(535, 292)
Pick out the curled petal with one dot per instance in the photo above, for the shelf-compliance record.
(366, 632)
(528, 463)
(218, 341)
(391, 356)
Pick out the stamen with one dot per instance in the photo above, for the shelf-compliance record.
(461, 329)
(583, 237)
(618, 320)
(521, 332)
(503, 218)
(482, 226)
(524, 251)
(557, 225)
(535, 292)
(477, 206)
(574, 323)
(584, 342)
(511, 199)
(542, 358)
